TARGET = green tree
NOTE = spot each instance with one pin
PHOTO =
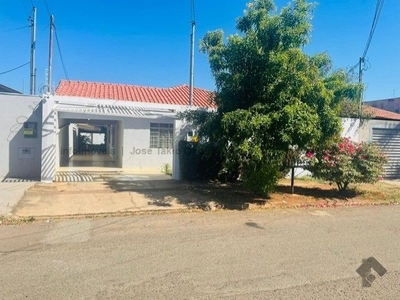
(269, 93)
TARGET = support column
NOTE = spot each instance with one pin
(49, 156)
(178, 124)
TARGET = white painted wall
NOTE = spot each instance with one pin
(361, 131)
(137, 151)
(16, 160)
(351, 129)
(50, 156)
(64, 135)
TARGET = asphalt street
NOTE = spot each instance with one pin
(274, 254)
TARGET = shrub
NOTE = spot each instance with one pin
(348, 162)
(199, 161)
(261, 177)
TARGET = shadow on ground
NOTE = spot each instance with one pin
(213, 195)
(201, 195)
(319, 193)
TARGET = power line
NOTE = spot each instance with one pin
(61, 57)
(353, 68)
(378, 9)
(45, 28)
(57, 41)
(8, 71)
(47, 6)
(17, 28)
(23, 5)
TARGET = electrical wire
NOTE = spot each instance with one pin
(8, 71)
(45, 28)
(26, 11)
(353, 68)
(378, 9)
(47, 7)
(61, 57)
(57, 41)
(13, 29)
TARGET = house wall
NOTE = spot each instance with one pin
(351, 129)
(137, 151)
(20, 155)
(73, 139)
(366, 127)
(50, 155)
(119, 143)
(362, 131)
(63, 143)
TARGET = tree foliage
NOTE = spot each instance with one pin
(269, 93)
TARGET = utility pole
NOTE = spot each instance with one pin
(50, 74)
(360, 79)
(191, 63)
(33, 53)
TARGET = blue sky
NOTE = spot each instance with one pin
(148, 42)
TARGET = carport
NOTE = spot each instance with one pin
(89, 142)
(105, 139)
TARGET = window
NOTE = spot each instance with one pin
(161, 135)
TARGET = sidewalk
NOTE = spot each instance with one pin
(121, 195)
(10, 194)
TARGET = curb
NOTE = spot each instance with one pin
(243, 207)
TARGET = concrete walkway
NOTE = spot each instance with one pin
(10, 194)
(114, 194)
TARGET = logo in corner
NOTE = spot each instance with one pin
(365, 271)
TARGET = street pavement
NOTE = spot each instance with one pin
(270, 254)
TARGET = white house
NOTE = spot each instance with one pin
(89, 124)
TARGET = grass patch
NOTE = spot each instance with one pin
(12, 220)
(381, 191)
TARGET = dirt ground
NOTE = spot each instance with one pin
(320, 194)
(309, 193)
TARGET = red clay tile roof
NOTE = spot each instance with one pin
(178, 95)
(377, 113)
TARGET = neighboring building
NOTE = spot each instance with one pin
(8, 90)
(383, 128)
(391, 104)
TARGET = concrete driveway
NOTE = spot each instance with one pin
(100, 192)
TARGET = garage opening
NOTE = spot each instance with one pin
(388, 139)
(90, 143)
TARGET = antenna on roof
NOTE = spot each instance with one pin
(193, 22)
